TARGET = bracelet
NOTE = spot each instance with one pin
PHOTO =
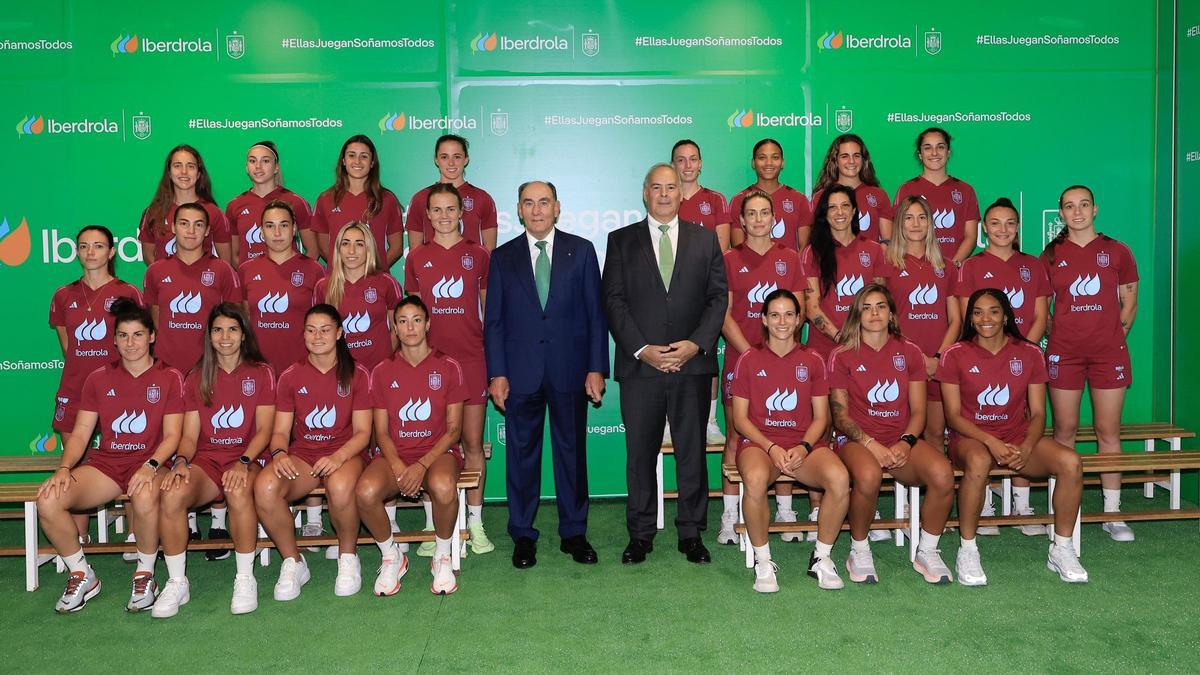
(276, 451)
(769, 448)
(185, 461)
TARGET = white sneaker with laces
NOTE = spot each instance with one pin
(292, 577)
(861, 567)
(727, 535)
(245, 594)
(786, 516)
(812, 518)
(1062, 560)
(312, 530)
(444, 581)
(1030, 530)
(968, 568)
(81, 587)
(764, 576)
(175, 594)
(929, 564)
(879, 535)
(1118, 530)
(989, 510)
(391, 570)
(145, 590)
(825, 572)
(349, 576)
(713, 435)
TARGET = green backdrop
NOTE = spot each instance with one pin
(585, 94)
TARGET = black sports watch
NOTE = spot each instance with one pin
(152, 463)
(910, 439)
(244, 460)
(807, 446)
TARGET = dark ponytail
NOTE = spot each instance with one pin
(1006, 203)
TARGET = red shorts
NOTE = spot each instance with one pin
(412, 455)
(840, 441)
(214, 466)
(727, 381)
(1108, 369)
(744, 443)
(476, 381)
(66, 407)
(933, 391)
(119, 467)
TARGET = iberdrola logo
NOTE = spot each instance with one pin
(14, 244)
(484, 42)
(33, 124)
(125, 44)
(830, 40)
(392, 122)
(44, 443)
(741, 119)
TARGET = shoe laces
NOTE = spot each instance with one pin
(763, 567)
(347, 564)
(74, 582)
(862, 558)
(241, 583)
(141, 582)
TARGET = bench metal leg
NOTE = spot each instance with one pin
(1006, 495)
(102, 524)
(31, 547)
(1050, 482)
(744, 537)
(658, 473)
(901, 499)
(119, 524)
(1148, 488)
(914, 520)
(457, 548)
(1075, 535)
(264, 555)
(1175, 446)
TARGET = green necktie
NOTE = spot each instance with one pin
(666, 257)
(541, 272)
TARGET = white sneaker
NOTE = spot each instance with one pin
(81, 587)
(713, 435)
(727, 535)
(969, 569)
(879, 535)
(861, 567)
(785, 516)
(812, 518)
(1030, 530)
(391, 570)
(764, 576)
(129, 556)
(989, 510)
(427, 548)
(349, 576)
(1118, 530)
(825, 572)
(176, 593)
(145, 590)
(331, 552)
(292, 577)
(1062, 560)
(444, 581)
(245, 594)
(312, 530)
(929, 564)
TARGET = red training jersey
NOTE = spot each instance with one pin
(478, 213)
(994, 388)
(163, 237)
(246, 209)
(857, 265)
(752, 277)
(1085, 281)
(450, 280)
(131, 409)
(83, 312)
(780, 390)
(953, 203)
(873, 203)
(792, 212)
(227, 423)
(185, 295)
(277, 296)
(365, 308)
(323, 409)
(707, 208)
(328, 218)
(415, 399)
(1022, 278)
(921, 292)
(876, 384)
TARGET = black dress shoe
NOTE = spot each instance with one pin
(580, 549)
(636, 551)
(694, 549)
(525, 554)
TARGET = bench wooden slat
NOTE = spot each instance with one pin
(29, 463)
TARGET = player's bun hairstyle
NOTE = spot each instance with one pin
(931, 130)
(249, 351)
(452, 138)
(411, 301)
(1010, 320)
(108, 237)
(345, 360)
(823, 245)
(829, 172)
(1006, 203)
(270, 145)
(444, 189)
(782, 294)
(124, 310)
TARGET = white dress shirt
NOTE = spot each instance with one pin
(656, 236)
(533, 249)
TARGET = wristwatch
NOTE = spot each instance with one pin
(910, 439)
(807, 446)
(152, 463)
(244, 460)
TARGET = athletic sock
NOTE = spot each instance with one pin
(1020, 498)
(441, 546)
(192, 522)
(1112, 500)
(929, 542)
(968, 544)
(387, 548)
(244, 563)
(731, 504)
(176, 565)
(474, 513)
(762, 553)
(428, 514)
(856, 545)
(391, 513)
(218, 519)
(1061, 540)
(312, 514)
(823, 550)
(75, 562)
(783, 502)
(145, 561)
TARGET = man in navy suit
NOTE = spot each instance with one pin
(547, 346)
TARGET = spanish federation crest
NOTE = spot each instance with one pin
(153, 393)
(468, 204)
(297, 279)
(781, 268)
(956, 196)
(208, 277)
(864, 258)
(235, 46)
(502, 433)
(789, 206)
(1052, 371)
(591, 43)
(843, 120)
(435, 381)
(343, 390)
(371, 295)
(802, 373)
(872, 200)
(705, 208)
(499, 123)
(140, 126)
(248, 387)
(468, 262)
(1016, 367)
(1102, 259)
(939, 272)
(1026, 275)
(933, 42)
(109, 303)
(899, 362)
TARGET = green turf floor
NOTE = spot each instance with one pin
(1140, 613)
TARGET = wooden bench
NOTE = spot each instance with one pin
(36, 555)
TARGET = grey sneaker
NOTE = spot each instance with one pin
(81, 587)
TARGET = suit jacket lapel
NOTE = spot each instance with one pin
(561, 257)
(684, 244)
(525, 271)
(642, 232)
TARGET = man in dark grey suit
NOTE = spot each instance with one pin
(665, 296)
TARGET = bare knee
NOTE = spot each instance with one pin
(868, 479)
(368, 493)
(1069, 466)
(442, 489)
(836, 483)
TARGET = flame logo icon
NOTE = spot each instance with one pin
(95, 329)
(923, 295)
(228, 418)
(357, 323)
(129, 423)
(944, 220)
(254, 235)
(1089, 285)
(14, 244)
(848, 286)
(758, 294)
(44, 443)
(321, 417)
(993, 395)
(886, 391)
(864, 221)
(414, 411)
(392, 122)
(1016, 297)
(741, 119)
(781, 401)
(33, 124)
(273, 303)
(186, 303)
(125, 44)
(484, 42)
(830, 40)
(448, 288)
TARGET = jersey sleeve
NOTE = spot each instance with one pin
(302, 210)
(391, 211)
(804, 210)
(89, 398)
(57, 313)
(394, 293)
(416, 216)
(820, 380)
(915, 360)
(964, 279)
(740, 387)
(145, 233)
(150, 284)
(285, 393)
(1037, 365)
(266, 385)
(1127, 272)
(231, 290)
(320, 222)
(191, 392)
(485, 264)
(808, 264)
(488, 216)
(174, 393)
(722, 215)
(1041, 279)
(880, 260)
(411, 280)
(947, 370)
(360, 385)
(376, 388)
(886, 209)
(457, 391)
(319, 291)
(970, 203)
(218, 225)
(839, 374)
